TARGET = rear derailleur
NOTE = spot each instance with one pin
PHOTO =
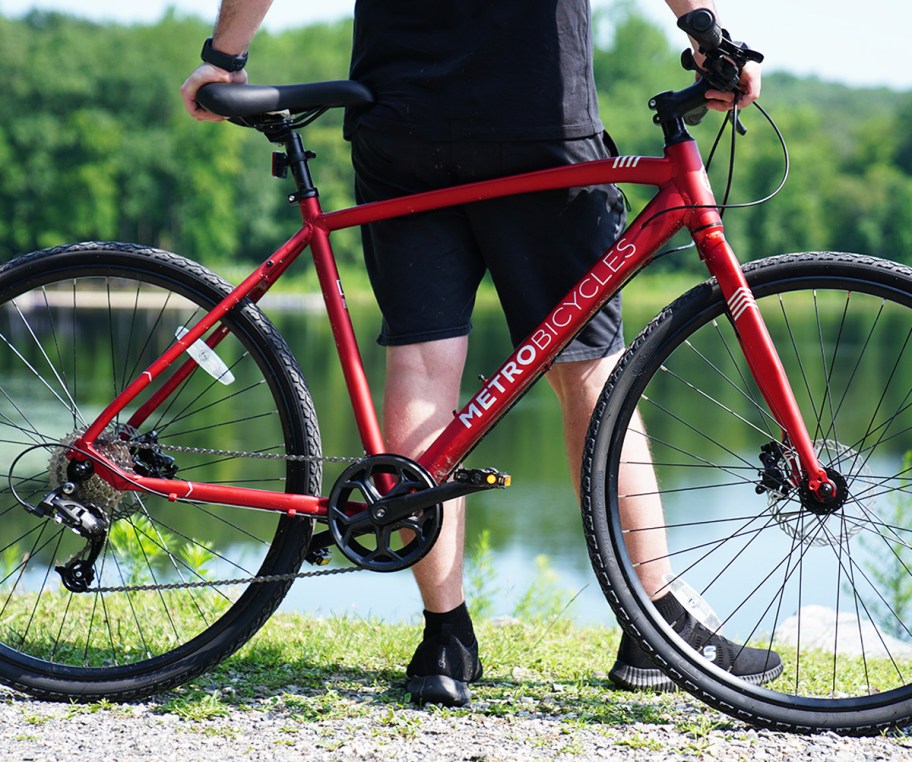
(86, 520)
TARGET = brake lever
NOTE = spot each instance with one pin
(696, 116)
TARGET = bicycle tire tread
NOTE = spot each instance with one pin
(845, 722)
(233, 633)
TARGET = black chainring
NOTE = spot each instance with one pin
(369, 538)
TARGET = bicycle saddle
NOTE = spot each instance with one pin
(251, 100)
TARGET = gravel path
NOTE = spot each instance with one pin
(275, 729)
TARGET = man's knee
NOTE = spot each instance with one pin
(572, 378)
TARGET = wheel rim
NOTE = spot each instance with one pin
(831, 591)
(66, 343)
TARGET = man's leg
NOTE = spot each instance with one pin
(422, 390)
(578, 386)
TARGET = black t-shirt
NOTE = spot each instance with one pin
(476, 69)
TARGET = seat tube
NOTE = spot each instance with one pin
(344, 335)
(761, 354)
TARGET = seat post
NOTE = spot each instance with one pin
(296, 157)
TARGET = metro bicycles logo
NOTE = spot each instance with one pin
(559, 327)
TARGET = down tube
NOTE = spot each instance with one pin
(658, 222)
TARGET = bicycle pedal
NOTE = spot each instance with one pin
(318, 557)
(486, 478)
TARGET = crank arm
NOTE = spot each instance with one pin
(465, 481)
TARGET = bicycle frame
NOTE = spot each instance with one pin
(684, 199)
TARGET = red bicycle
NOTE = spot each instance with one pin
(164, 464)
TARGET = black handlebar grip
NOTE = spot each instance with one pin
(701, 25)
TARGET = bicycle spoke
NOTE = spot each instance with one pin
(825, 584)
(141, 600)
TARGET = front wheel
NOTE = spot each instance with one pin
(703, 491)
(134, 613)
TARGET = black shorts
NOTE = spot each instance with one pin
(426, 268)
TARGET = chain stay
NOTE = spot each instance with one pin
(241, 580)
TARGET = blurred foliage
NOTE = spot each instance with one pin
(94, 143)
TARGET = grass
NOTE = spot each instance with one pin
(342, 668)
(326, 671)
(538, 664)
(341, 681)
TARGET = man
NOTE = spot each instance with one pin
(465, 91)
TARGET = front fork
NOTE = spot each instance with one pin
(762, 358)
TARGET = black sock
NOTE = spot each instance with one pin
(459, 621)
(670, 608)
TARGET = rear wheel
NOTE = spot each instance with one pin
(829, 588)
(77, 324)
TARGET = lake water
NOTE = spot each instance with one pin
(533, 523)
(533, 529)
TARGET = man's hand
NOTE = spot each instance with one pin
(749, 91)
(237, 22)
(203, 75)
(750, 74)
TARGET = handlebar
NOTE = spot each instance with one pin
(720, 69)
(724, 58)
(701, 26)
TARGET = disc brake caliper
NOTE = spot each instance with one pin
(773, 477)
(149, 460)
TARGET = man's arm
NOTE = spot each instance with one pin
(237, 23)
(750, 75)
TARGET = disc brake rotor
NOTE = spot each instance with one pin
(820, 528)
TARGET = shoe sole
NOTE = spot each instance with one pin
(438, 689)
(638, 679)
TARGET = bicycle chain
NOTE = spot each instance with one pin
(241, 580)
(260, 455)
(220, 582)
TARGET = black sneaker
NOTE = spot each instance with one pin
(635, 670)
(441, 669)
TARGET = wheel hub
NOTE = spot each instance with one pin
(803, 515)
(829, 505)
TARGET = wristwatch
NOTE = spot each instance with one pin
(225, 61)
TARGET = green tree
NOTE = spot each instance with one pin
(94, 143)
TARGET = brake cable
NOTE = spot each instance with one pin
(731, 118)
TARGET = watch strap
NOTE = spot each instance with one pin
(225, 61)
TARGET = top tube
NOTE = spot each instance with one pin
(637, 170)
